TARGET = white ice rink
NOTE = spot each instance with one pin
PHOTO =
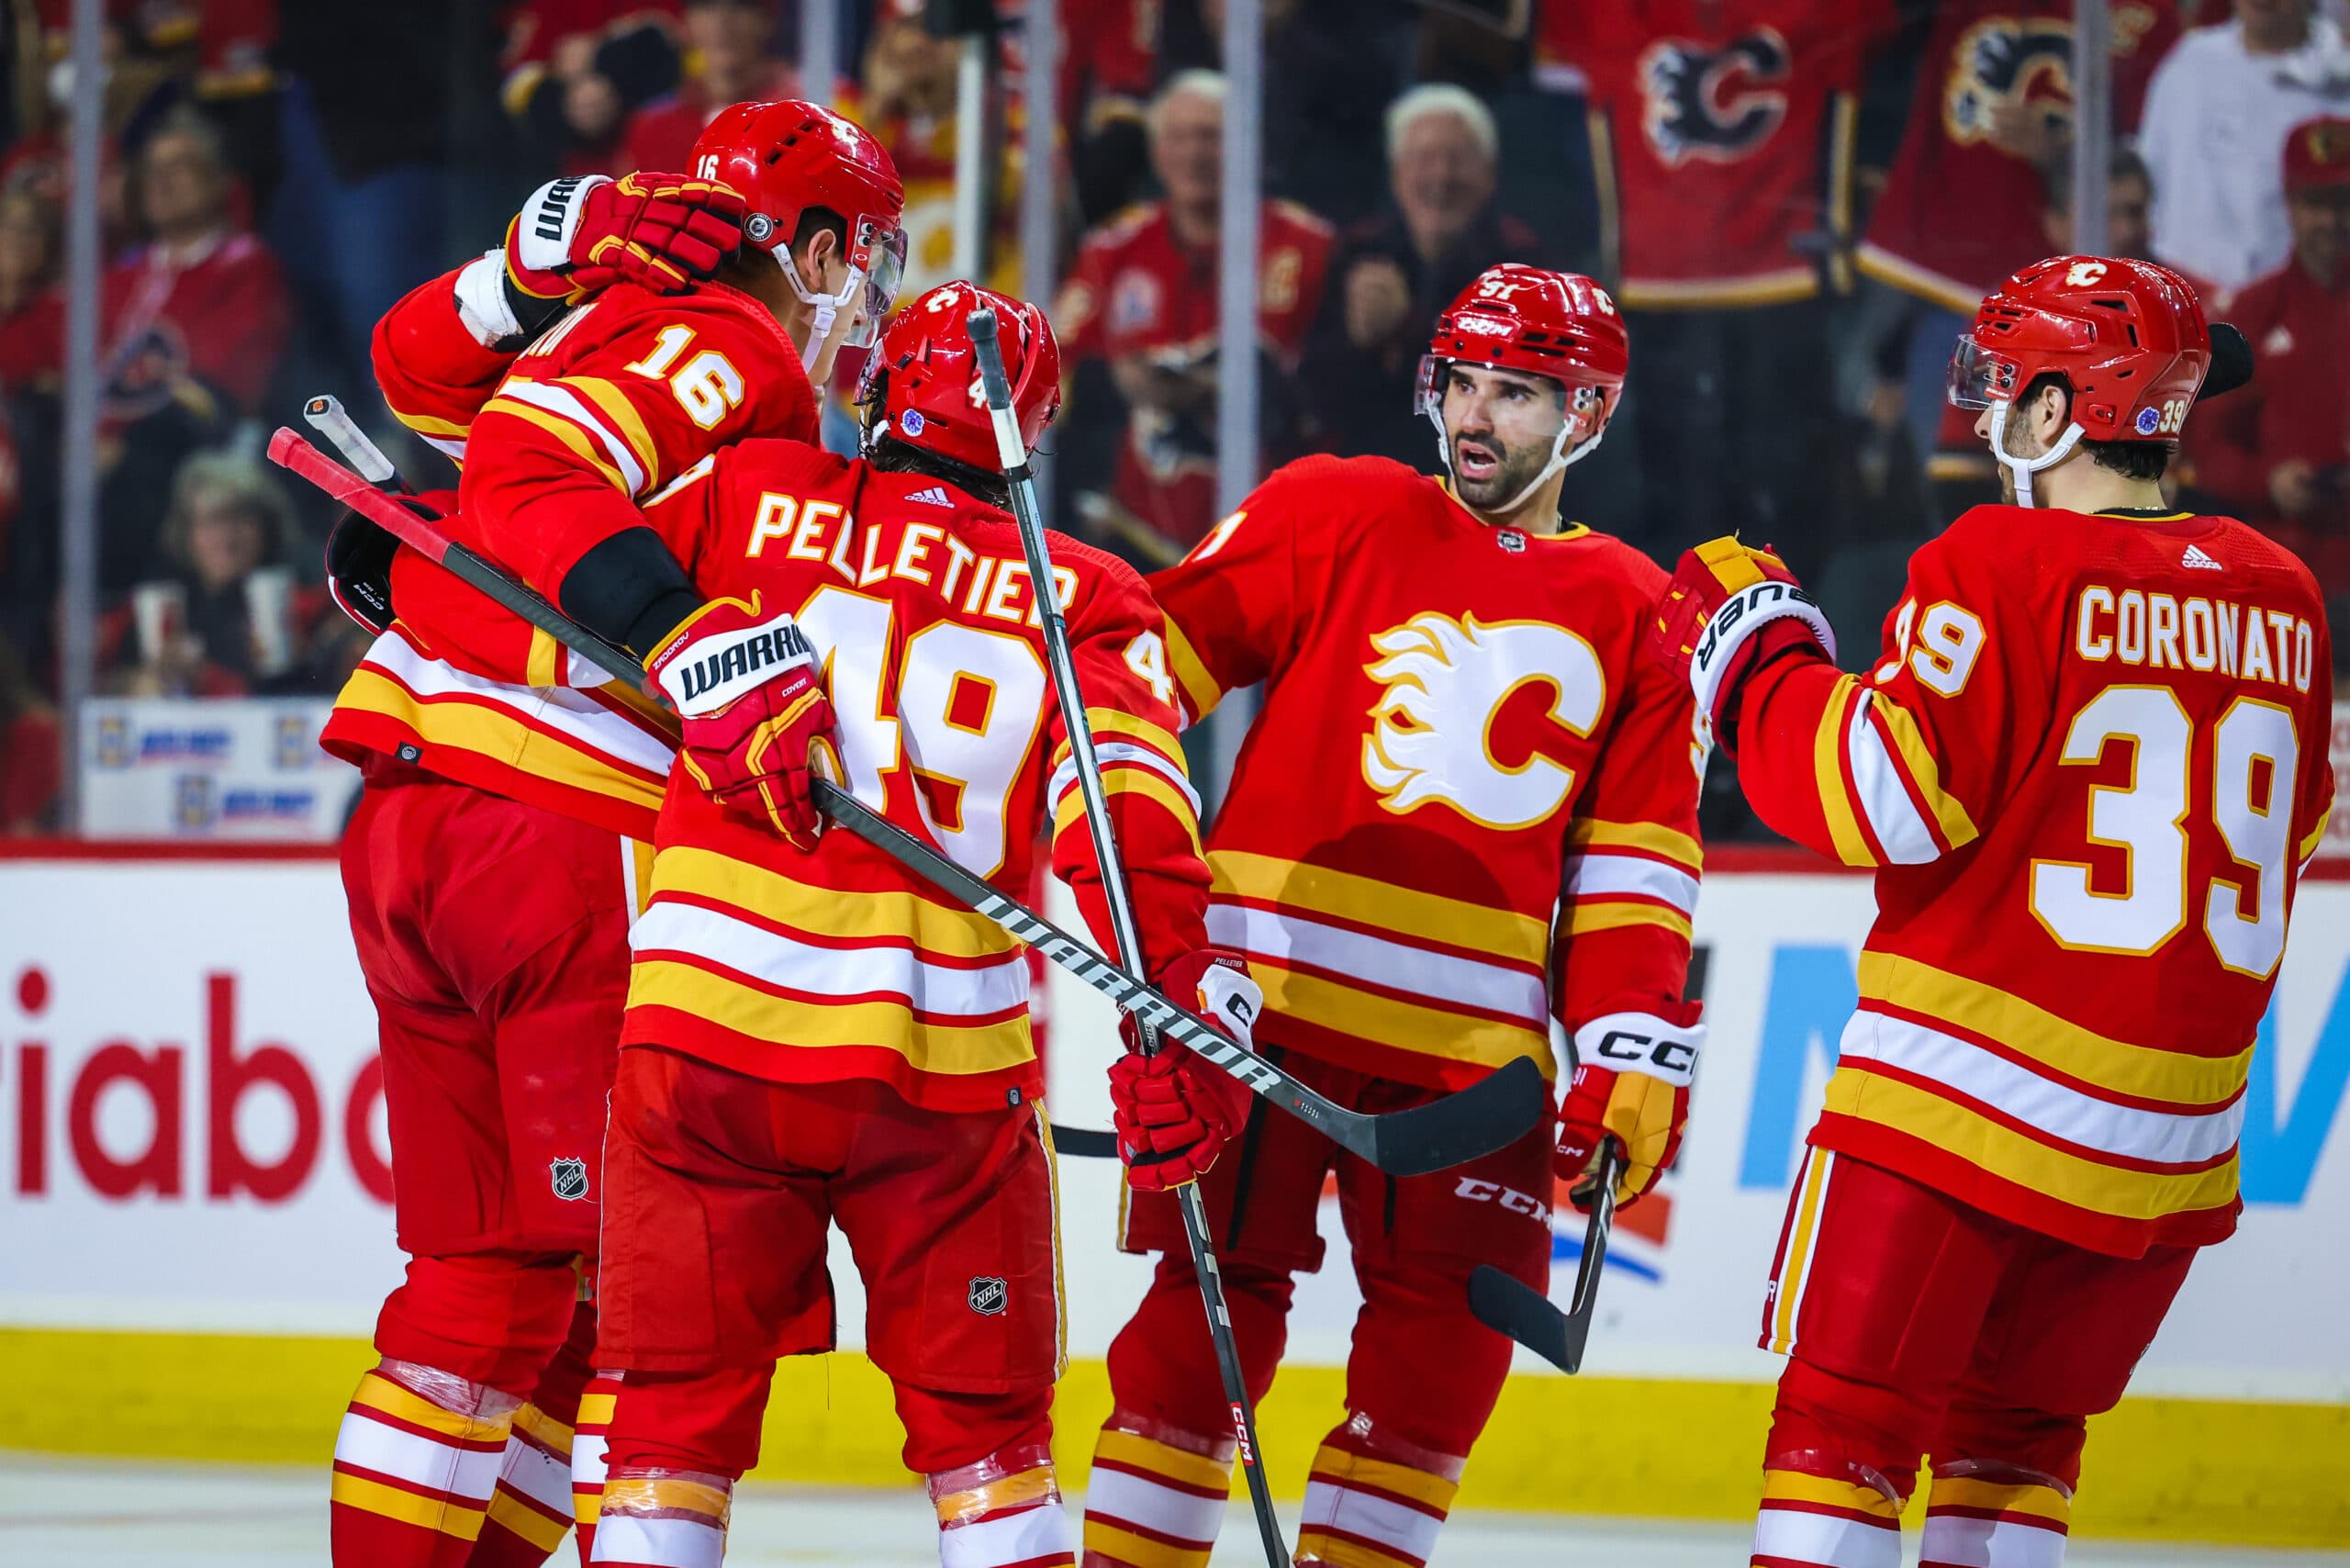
(55, 1514)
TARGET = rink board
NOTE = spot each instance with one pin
(207, 1284)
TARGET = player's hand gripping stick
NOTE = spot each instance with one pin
(1012, 453)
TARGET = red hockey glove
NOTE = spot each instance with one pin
(1632, 1083)
(583, 233)
(1173, 1112)
(1729, 611)
(757, 724)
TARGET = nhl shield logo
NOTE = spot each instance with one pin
(988, 1296)
(569, 1178)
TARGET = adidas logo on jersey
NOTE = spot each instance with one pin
(2195, 557)
(936, 497)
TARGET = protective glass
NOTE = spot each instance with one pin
(885, 269)
(1979, 376)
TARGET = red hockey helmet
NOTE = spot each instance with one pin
(1559, 325)
(789, 156)
(924, 375)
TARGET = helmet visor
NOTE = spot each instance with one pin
(885, 269)
(1980, 377)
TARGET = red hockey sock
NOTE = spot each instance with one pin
(415, 1465)
(530, 1512)
(588, 1457)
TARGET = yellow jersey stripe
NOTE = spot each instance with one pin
(2317, 836)
(2056, 1043)
(511, 1514)
(1587, 915)
(1652, 838)
(379, 1393)
(536, 1423)
(1965, 1491)
(1828, 766)
(950, 1049)
(543, 665)
(563, 429)
(1384, 907)
(481, 729)
(613, 404)
(1108, 721)
(2026, 1161)
(1124, 1546)
(1320, 1546)
(425, 424)
(826, 912)
(1400, 1024)
(1798, 1258)
(1200, 689)
(1131, 781)
(1958, 828)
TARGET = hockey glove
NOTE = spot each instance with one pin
(1731, 610)
(1172, 1112)
(1632, 1083)
(757, 724)
(585, 233)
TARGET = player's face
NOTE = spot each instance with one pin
(1502, 427)
(2321, 223)
(1187, 148)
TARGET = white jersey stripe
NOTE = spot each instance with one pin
(757, 953)
(2056, 1109)
(1288, 938)
(1406, 1531)
(1596, 874)
(418, 1459)
(1954, 1540)
(1801, 1537)
(578, 717)
(559, 400)
(1893, 816)
(659, 1543)
(1031, 1533)
(1122, 1498)
(1108, 753)
(538, 1475)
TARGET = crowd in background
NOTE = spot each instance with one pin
(1796, 202)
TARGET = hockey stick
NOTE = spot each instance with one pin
(1012, 455)
(1486, 1116)
(1508, 1305)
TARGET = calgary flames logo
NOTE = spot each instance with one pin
(1718, 103)
(1446, 680)
(2007, 59)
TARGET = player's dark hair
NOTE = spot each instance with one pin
(892, 455)
(2143, 460)
(815, 220)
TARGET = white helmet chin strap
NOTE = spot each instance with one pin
(827, 306)
(2023, 468)
(1561, 457)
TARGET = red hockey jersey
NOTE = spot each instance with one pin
(1959, 212)
(567, 440)
(1722, 134)
(841, 964)
(1459, 737)
(2090, 768)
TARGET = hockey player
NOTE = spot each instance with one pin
(812, 1034)
(495, 860)
(2089, 768)
(1505, 751)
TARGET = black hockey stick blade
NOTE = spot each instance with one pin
(1084, 1143)
(1478, 1120)
(1507, 1305)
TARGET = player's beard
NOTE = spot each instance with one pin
(1512, 472)
(2018, 443)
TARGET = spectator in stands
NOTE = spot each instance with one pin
(1110, 56)
(905, 96)
(2217, 116)
(31, 767)
(731, 57)
(574, 70)
(2277, 452)
(31, 307)
(236, 622)
(201, 311)
(1391, 275)
(1137, 321)
(2129, 205)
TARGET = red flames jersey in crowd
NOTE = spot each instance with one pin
(1722, 130)
(1137, 289)
(219, 314)
(2090, 768)
(604, 408)
(841, 964)
(1460, 735)
(1959, 213)
(661, 135)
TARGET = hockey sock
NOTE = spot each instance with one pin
(1374, 1500)
(588, 1457)
(530, 1512)
(415, 1465)
(654, 1518)
(1983, 1513)
(1821, 1510)
(1156, 1495)
(1004, 1512)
